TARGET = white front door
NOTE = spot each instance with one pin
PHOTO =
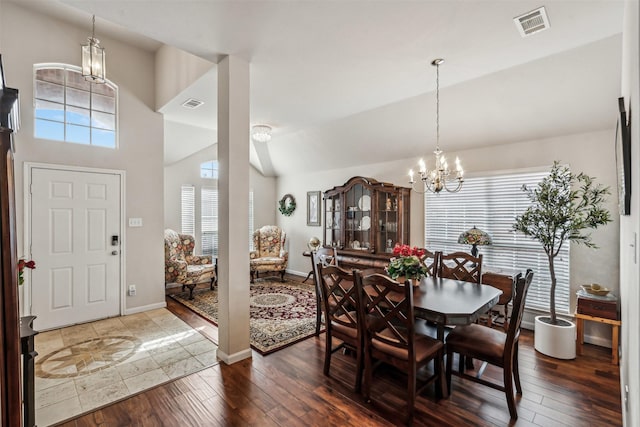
(75, 241)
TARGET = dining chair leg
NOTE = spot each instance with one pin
(508, 390)
(516, 371)
(327, 351)
(318, 312)
(359, 369)
(411, 398)
(441, 381)
(461, 363)
(368, 372)
(449, 367)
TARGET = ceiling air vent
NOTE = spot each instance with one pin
(532, 22)
(192, 103)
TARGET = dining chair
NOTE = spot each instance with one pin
(461, 266)
(325, 256)
(492, 346)
(387, 315)
(431, 260)
(340, 306)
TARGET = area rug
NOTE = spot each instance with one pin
(281, 313)
(84, 367)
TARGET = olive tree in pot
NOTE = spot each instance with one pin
(564, 207)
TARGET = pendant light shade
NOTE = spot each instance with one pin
(93, 58)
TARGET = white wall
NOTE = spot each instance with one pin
(629, 225)
(187, 171)
(592, 153)
(30, 38)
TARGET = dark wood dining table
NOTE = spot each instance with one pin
(452, 302)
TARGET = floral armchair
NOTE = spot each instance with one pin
(181, 266)
(269, 254)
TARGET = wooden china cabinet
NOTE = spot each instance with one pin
(364, 219)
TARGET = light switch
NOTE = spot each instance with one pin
(135, 222)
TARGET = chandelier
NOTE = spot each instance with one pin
(440, 177)
(93, 58)
(261, 133)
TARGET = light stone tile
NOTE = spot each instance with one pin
(55, 394)
(103, 395)
(78, 333)
(60, 411)
(146, 380)
(200, 347)
(209, 358)
(182, 367)
(138, 355)
(97, 380)
(128, 370)
(191, 338)
(45, 383)
(172, 356)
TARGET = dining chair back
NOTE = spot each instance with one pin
(325, 256)
(387, 314)
(461, 266)
(431, 261)
(492, 346)
(340, 306)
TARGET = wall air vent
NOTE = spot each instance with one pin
(532, 22)
(192, 103)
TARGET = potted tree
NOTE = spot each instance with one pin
(564, 207)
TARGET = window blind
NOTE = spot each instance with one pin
(491, 204)
(188, 209)
(251, 221)
(209, 217)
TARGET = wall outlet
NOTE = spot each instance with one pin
(132, 290)
(135, 222)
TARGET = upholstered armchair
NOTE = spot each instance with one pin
(181, 266)
(270, 253)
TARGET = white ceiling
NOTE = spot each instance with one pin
(334, 78)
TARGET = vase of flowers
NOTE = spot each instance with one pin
(22, 264)
(406, 264)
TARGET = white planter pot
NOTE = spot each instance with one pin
(557, 341)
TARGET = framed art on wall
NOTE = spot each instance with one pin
(313, 208)
(623, 160)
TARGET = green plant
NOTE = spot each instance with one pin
(407, 263)
(563, 207)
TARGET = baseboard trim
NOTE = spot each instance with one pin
(143, 308)
(297, 273)
(230, 359)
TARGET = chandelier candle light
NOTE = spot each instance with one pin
(440, 177)
(93, 58)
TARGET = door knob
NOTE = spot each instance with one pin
(114, 252)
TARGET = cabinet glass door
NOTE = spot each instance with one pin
(358, 218)
(333, 221)
(387, 233)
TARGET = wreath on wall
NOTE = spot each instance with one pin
(287, 205)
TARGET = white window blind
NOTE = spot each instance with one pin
(188, 209)
(209, 226)
(251, 221)
(491, 204)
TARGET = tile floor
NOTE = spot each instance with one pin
(83, 367)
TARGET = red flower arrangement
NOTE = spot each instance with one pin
(406, 250)
(22, 264)
(406, 263)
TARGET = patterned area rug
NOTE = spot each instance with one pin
(280, 313)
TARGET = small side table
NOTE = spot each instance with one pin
(615, 324)
(308, 254)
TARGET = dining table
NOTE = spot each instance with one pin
(449, 302)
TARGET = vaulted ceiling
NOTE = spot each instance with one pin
(350, 81)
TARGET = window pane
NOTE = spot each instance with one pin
(103, 120)
(78, 134)
(49, 110)
(49, 130)
(104, 103)
(49, 91)
(104, 89)
(79, 98)
(76, 80)
(188, 205)
(103, 138)
(78, 116)
(53, 75)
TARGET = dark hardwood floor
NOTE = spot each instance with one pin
(288, 388)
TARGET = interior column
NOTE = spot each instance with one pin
(233, 210)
